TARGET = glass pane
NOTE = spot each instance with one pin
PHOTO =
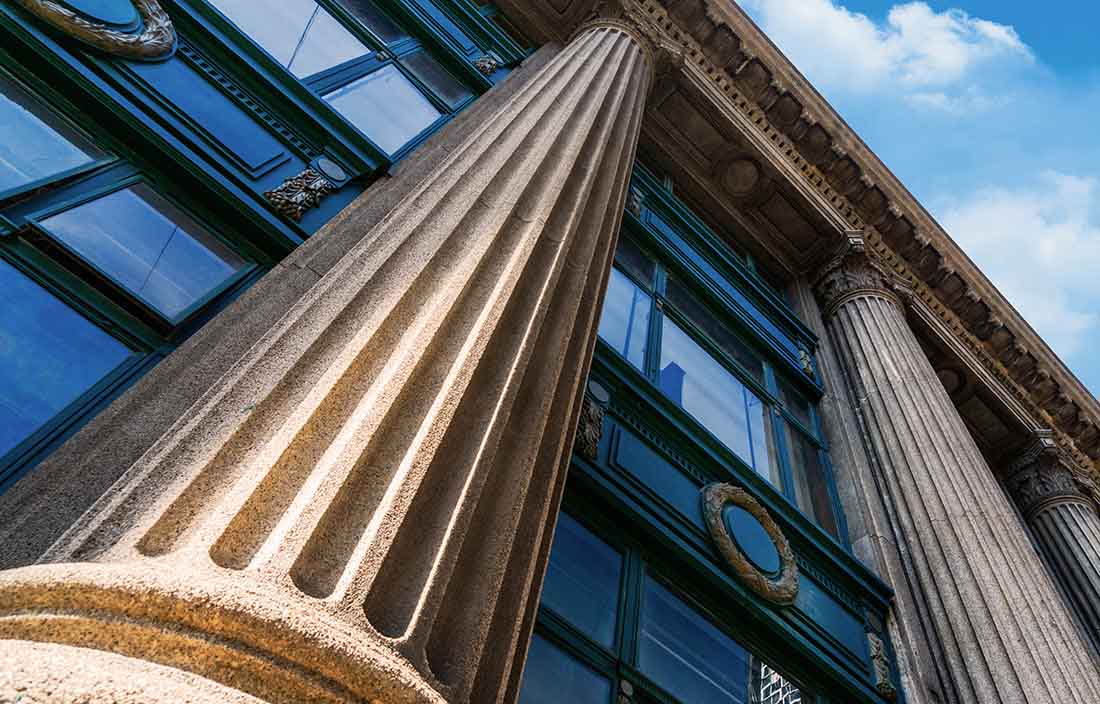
(149, 247)
(552, 677)
(796, 404)
(49, 356)
(582, 581)
(300, 35)
(772, 688)
(369, 14)
(764, 455)
(386, 107)
(446, 87)
(276, 25)
(721, 333)
(325, 44)
(631, 259)
(703, 387)
(811, 482)
(34, 143)
(687, 655)
(624, 323)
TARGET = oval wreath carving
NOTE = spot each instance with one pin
(780, 589)
(156, 40)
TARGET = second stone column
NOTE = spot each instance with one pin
(1002, 631)
(360, 509)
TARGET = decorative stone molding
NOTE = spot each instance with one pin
(779, 589)
(487, 65)
(880, 665)
(299, 194)
(590, 429)
(153, 38)
(852, 272)
(1042, 476)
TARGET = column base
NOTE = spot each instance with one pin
(219, 638)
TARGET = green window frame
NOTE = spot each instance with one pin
(73, 272)
(796, 454)
(582, 662)
(423, 54)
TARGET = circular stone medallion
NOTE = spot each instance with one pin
(118, 13)
(751, 542)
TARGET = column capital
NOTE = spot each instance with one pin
(855, 271)
(626, 17)
(1043, 476)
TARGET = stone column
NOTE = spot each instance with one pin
(357, 511)
(1002, 632)
(1063, 520)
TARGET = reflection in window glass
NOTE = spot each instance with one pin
(297, 33)
(582, 581)
(687, 655)
(437, 78)
(722, 334)
(148, 247)
(49, 356)
(796, 404)
(811, 483)
(553, 677)
(34, 143)
(386, 107)
(633, 261)
(381, 25)
(624, 323)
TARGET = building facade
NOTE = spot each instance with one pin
(565, 351)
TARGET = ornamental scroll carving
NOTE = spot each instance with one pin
(880, 663)
(781, 589)
(1042, 476)
(153, 39)
(299, 194)
(854, 271)
(589, 429)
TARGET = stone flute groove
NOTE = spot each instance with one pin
(1065, 525)
(377, 478)
(1002, 631)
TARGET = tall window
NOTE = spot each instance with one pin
(358, 59)
(98, 269)
(608, 616)
(667, 326)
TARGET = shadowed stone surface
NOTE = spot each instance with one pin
(1000, 629)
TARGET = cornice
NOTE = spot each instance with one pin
(741, 63)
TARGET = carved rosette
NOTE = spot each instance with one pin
(1043, 476)
(853, 272)
(300, 193)
(155, 39)
(781, 589)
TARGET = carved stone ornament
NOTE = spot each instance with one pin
(589, 429)
(880, 666)
(1042, 476)
(152, 39)
(781, 589)
(300, 193)
(852, 272)
(487, 65)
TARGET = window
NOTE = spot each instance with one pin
(672, 651)
(690, 347)
(100, 271)
(359, 60)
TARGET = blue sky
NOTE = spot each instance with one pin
(989, 111)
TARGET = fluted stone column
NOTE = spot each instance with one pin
(1065, 525)
(1002, 631)
(358, 510)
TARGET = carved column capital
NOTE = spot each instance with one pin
(855, 271)
(623, 16)
(1044, 476)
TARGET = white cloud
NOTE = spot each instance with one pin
(915, 51)
(1039, 245)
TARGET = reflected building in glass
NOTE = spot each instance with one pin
(499, 351)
